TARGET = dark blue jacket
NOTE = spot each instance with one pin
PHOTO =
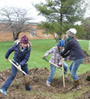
(73, 49)
(19, 57)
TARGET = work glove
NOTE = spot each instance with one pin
(60, 65)
(19, 67)
(44, 57)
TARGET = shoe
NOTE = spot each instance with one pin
(76, 85)
(28, 88)
(48, 83)
(3, 91)
(75, 88)
(79, 87)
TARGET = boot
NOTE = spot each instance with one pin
(48, 84)
(28, 88)
(76, 85)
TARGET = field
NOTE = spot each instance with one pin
(39, 71)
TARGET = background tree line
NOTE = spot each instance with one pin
(63, 14)
(60, 15)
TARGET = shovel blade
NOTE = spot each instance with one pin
(26, 80)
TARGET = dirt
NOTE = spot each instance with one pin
(39, 90)
(87, 57)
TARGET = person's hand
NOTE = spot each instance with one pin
(44, 57)
(19, 67)
(7, 59)
(61, 53)
(59, 66)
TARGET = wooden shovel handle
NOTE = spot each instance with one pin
(53, 64)
(63, 73)
(17, 67)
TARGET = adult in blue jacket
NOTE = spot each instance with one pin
(21, 56)
(74, 51)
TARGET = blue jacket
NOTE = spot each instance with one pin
(19, 57)
(73, 49)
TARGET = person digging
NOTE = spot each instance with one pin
(55, 59)
(22, 51)
(76, 54)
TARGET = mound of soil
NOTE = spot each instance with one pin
(87, 58)
(38, 78)
(85, 95)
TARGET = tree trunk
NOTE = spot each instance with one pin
(15, 36)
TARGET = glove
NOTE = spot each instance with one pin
(61, 53)
(44, 57)
(59, 66)
(19, 67)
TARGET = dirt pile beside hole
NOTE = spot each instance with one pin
(85, 95)
(87, 58)
(38, 78)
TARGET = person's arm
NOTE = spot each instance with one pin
(48, 53)
(24, 61)
(10, 50)
(66, 52)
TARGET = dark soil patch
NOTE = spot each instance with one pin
(85, 95)
(38, 78)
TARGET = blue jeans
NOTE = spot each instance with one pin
(74, 67)
(13, 75)
(53, 68)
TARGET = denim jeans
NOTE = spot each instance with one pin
(13, 75)
(74, 67)
(53, 68)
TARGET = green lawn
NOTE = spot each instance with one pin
(39, 47)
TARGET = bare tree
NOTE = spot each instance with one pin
(15, 20)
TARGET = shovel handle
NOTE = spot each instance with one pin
(53, 64)
(63, 73)
(17, 67)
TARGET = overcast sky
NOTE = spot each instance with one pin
(27, 4)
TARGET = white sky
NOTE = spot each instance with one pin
(27, 4)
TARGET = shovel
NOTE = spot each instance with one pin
(60, 68)
(26, 78)
(63, 73)
(53, 64)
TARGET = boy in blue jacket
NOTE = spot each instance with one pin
(21, 56)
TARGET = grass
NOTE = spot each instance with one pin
(39, 47)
